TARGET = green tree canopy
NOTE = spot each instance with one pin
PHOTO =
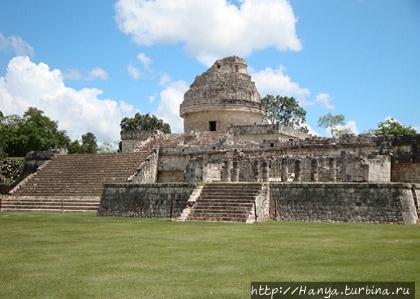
(74, 147)
(333, 122)
(32, 132)
(89, 145)
(144, 122)
(392, 127)
(284, 111)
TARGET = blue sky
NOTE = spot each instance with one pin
(112, 58)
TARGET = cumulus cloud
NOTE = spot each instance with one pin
(170, 99)
(145, 60)
(210, 29)
(133, 71)
(324, 99)
(16, 45)
(77, 111)
(164, 79)
(151, 98)
(93, 74)
(276, 82)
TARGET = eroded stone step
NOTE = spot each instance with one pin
(46, 210)
(226, 219)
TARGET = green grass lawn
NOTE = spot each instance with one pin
(81, 255)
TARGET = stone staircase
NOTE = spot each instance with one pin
(50, 203)
(71, 182)
(233, 202)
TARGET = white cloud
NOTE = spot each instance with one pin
(77, 111)
(276, 82)
(98, 73)
(151, 98)
(170, 99)
(164, 79)
(95, 73)
(134, 72)
(210, 29)
(15, 45)
(351, 125)
(145, 60)
(324, 99)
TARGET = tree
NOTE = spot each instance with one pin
(284, 111)
(89, 145)
(144, 122)
(74, 147)
(32, 132)
(333, 122)
(390, 126)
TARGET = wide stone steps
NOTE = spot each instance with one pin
(217, 218)
(60, 184)
(35, 203)
(230, 202)
(81, 175)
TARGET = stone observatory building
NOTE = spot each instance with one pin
(222, 97)
(228, 166)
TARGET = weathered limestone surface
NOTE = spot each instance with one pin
(145, 200)
(147, 171)
(225, 94)
(347, 202)
(405, 172)
(261, 133)
(129, 140)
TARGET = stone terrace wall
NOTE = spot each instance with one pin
(130, 139)
(260, 133)
(147, 171)
(145, 200)
(346, 202)
(405, 172)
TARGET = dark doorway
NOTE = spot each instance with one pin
(212, 125)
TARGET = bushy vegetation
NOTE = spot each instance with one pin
(10, 170)
(32, 132)
(35, 131)
(286, 111)
(392, 127)
(145, 122)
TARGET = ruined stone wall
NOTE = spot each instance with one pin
(147, 171)
(380, 169)
(356, 158)
(261, 133)
(170, 176)
(347, 202)
(145, 200)
(405, 172)
(199, 121)
(129, 140)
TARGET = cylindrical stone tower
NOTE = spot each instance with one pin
(221, 97)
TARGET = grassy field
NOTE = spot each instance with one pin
(81, 255)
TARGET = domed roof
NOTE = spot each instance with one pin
(226, 85)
